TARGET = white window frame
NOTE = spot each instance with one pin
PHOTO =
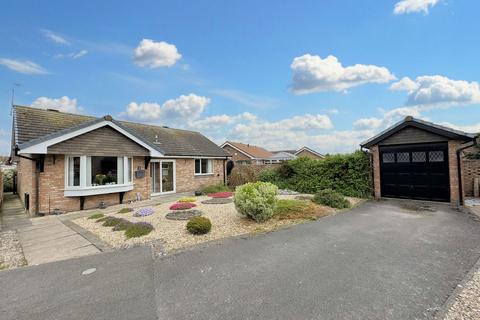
(174, 176)
(85, 190)
(203, 174)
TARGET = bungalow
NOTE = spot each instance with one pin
(242, 153)
(70, 162)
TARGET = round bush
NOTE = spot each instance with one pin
(331, 198)
(182, 206)
(199, 225)
(138, 229)
(256, 200)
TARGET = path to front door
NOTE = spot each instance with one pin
(43, 239)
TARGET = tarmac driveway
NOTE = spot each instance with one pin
(379, 261)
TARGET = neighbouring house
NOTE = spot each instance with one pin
(68, 162)
(242, 153)
(416, 159)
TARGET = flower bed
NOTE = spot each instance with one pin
(182, 206)
(144, 212)
(226, 194)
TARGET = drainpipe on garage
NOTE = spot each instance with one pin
(472, 143)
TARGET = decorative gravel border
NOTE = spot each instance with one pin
(183, 214)
(218, 201)
(11, 253)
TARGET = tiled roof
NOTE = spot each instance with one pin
(422, 124)
(254, 151)
(33, 124)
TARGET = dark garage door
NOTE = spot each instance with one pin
(418, 171)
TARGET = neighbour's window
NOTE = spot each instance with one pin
(203, 166)
(435, 156)
(388, 157)
(403, 157)
(73, 171)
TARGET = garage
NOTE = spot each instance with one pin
(415, 172)
(416, 159)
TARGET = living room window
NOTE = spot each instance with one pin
(203, 166)
(98, 171)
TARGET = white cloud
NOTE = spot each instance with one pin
(438, 91)
(409, 6)
(472, 128)
(184, 107)
(151, 54)
(63, 104)
(52, 36)
(26, 67)
(72, 55)
(368, 123)
(314, 74)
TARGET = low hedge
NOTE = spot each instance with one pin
(331, 198)
(349, 174)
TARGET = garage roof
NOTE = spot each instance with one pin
(421, 124)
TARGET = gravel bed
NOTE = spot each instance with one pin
(218, 201)
(183, 214)
(226, 222)
(11, 253)
(286, 192)
(467, 304)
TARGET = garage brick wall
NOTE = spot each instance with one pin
(471, 170)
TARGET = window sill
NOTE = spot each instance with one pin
(203, 174)
(90, 191)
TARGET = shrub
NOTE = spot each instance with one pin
(199, 225)
(96, 216)
(138, 229)
(123, 224)
(111, 222)
(284, 206)
(331, 198)
(285, 170)
(187, 199)
(125, 210)
(8, 176)
(256, 200)
(147, 211)
(226, 194)
(349, 174)
(214, 189)
(182, 206)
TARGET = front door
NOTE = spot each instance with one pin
(162, 174)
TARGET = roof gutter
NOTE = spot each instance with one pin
(472, 143)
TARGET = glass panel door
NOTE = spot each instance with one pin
(155, 175)
(167, 176)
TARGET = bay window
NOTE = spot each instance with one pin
(203, 166)
(89, 172)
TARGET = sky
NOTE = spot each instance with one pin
(279, 74)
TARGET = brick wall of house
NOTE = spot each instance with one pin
(376, 172)
(453, 171)
(471, 170)
(52, 185)
(236, 155)
(188, 181)
(25, 181)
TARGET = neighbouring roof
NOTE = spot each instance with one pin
(33, 125)
(421, 124)
(292, 151)
(252, 151)
(282, 155)
(309, 150)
